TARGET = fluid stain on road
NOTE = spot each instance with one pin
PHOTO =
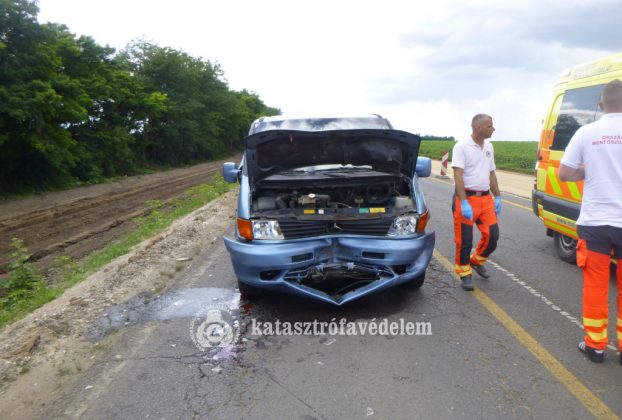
(175, 303)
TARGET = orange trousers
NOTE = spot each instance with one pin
(594, 249)
(485, 219)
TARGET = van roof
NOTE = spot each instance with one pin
(320, 123)
(595, 68)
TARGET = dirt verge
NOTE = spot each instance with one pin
(74, 223)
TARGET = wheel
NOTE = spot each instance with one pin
(566, 247)
(248, 290)
(416, 283)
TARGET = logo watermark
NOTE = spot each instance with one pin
(214, 326)
(341, 327)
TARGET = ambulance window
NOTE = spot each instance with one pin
(579, 107)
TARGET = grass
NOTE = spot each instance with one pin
(32, 293)
(518, 156)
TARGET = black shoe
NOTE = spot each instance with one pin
(596, 356)
(467, 282)
(481, 270)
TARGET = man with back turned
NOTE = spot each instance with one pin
(594, 154)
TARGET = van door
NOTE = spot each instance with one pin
(559, 203)
(544, 148)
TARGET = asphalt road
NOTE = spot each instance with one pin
(506, 351)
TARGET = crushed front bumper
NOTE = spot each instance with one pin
(289, 266)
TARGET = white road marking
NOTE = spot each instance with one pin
(543, 298)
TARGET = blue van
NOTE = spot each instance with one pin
(329, 208)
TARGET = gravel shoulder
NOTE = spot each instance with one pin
(45, 352)
(509, 182)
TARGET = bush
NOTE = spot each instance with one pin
(24, 280)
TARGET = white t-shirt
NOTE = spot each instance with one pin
(477, 162)
(599, 147)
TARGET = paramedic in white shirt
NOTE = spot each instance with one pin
(473, 163)
(594, 154)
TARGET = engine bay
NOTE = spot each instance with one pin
(360, 197)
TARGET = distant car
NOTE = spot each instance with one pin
(329, 208)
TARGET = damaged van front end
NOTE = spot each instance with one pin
(330, 214)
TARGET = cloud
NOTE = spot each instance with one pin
(500, 59)
(427, 66)
(590, 25)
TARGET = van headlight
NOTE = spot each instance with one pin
(405, 224)
(267, 229)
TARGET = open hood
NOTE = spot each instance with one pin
(389, 151)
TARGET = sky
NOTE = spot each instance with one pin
(426, 66)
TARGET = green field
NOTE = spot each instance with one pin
(519, 156)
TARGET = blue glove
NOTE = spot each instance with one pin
(498, 204)
(467, 210)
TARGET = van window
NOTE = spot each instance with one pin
(579, 107)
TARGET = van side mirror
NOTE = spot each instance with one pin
(230, 172)
(424, 167)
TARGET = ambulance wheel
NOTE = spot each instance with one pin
(566, 247)
(247, 290)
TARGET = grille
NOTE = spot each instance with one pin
(295, 229)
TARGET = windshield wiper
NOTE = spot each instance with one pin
(293, 172)
(345, 169)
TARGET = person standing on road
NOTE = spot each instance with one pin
(594, 154)
(473, 163)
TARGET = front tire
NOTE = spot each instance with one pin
(416, 283)
(566, 247)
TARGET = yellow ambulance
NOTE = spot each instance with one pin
(574, 104)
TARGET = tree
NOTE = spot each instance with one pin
(37, 100)
(203, 118)
(72, 110)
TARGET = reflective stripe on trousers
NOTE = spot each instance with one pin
(594, 258)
